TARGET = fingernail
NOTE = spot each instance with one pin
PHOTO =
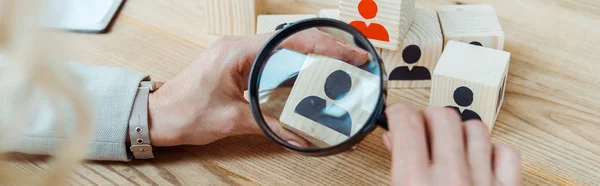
(353, 48)
(294, 143)
(358, 50)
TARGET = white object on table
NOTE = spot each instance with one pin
(79, 15)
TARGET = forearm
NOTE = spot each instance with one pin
(111, 91)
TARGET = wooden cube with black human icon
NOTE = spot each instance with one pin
(412, 65)
(330, 101)
(384, 22)
(473, 24)
(272, 23)
(472, 80)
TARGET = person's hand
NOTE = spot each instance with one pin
(205, 102)
(434, 147)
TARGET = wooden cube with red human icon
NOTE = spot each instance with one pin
(384, 22)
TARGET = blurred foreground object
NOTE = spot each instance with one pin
(79, 15)
(29, 81)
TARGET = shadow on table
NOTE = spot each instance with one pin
(232, 147)
(215, 161)
(248, 146)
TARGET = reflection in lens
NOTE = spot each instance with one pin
(320, 85)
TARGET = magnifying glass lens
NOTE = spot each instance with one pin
(319, 87)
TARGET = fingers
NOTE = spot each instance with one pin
(308, 41)
(410, 157)
(507, 165)
(479, 150)
(447, 142)
(462, 152)
(317, 42)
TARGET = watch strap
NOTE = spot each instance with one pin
(139, 134)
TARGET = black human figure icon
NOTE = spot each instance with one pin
(411, 55)
(337, 86)
(463, 96)
(476, 43)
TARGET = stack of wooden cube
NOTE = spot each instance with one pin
(456, 50)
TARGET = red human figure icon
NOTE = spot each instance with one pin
(368, 10)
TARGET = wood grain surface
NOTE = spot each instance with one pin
(551, 110)
(224, 16)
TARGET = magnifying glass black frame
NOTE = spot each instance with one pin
(378, 116)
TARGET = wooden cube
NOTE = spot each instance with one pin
(472, 80)
(412, 65)
(231, 17)
(331, 100)
(384, 22)
(271, 23)
(330, 13)
(474, 24)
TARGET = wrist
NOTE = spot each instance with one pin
(161, 132)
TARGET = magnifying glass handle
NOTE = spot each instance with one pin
(382, 120)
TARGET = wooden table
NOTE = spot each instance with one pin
(551, 112)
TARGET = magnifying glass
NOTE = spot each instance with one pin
(322, 80)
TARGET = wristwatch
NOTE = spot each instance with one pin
(139, 133)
